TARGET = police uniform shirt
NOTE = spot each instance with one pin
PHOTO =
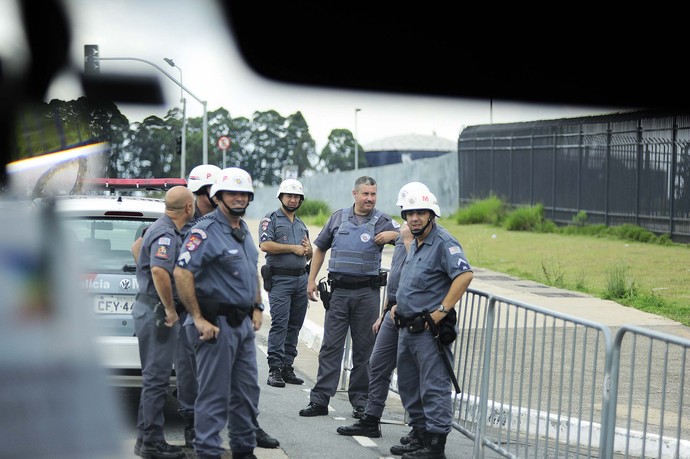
(224, 268)
(399, 254)
(160, 247)
(428, 272)
(283, 231)
(325, 238)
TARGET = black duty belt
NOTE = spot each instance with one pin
(234, 314)
(371, 282)
(414, 324)
(222, 308)
(287, 271)
(152, 300)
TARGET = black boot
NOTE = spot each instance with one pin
(406, 439)
(264, 440)
(274, 377)
(189, 436)
(417, 440)
(189, 433)
(244, 455)
(434, 448)
(368, 426)
(289, 376)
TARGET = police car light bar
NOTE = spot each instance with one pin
(132, 184)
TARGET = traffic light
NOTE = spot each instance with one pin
(179, 145)
(92, 63)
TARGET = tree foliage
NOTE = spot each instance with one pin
(262, 145)
(339, 152)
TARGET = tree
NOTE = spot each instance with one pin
(269, 141)
(59, 125)
(262, 145)
(339, 152)
(300, 144)
(152, 150)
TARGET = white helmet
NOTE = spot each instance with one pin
(233, 179)
(290, 186)
(202, 175)
(421, 200)
(408, 188)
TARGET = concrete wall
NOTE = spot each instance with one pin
(440, 174)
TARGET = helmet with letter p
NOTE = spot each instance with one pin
(233, 179)
(202, 175)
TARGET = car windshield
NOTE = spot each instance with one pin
(105, 244)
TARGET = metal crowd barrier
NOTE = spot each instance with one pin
(537, 383)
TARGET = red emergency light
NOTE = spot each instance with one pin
(132, 184)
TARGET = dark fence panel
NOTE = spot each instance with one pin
(631, 167)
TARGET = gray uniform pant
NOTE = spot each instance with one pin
(357, 311)
(381, 365)
(156, 354)
(423, 380)
(288, 300)
(227, 377)
(185, 371)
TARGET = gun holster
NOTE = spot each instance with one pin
(266, 276)
(162, 331)
(324, 292)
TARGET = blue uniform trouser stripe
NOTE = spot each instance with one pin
(288, 301)
(185, 370)
(229, 363)
(156, 357)
(381, 365)
(356, 310)
(424, 381)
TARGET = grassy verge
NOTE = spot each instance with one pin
(649, 277)
(625, 264)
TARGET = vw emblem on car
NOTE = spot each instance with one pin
(125, 284)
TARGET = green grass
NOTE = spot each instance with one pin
(651, 277)
(626, 264)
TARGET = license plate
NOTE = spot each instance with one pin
(114, 304)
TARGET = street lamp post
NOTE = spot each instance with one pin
(183, 149)
(356, 148)
(179, 83)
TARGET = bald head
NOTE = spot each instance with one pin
(178, 197)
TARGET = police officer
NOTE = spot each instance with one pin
(434, 277)
(156, 320)
(216, 274)
(285, 240)
(199, 182)
(356, 235)
(384, 356)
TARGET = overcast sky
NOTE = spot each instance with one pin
(193, 35)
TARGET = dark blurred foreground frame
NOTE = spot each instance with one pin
(580, 55)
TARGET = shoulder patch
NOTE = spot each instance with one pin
(162, 252)
(202, 234)
(193, 242)
(454, 250)
(164, 241)
(395, 224)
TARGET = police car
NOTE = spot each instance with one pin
(103, 226)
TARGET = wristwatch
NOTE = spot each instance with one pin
(442, 309)
(259, 306)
